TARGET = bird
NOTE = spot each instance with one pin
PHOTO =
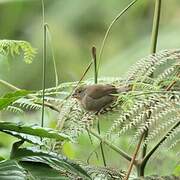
(97, 96)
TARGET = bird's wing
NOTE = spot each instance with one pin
(98, 91)
(96, 104)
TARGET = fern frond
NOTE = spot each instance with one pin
(27, 104)
(166, 74)
(73, 119)
(14, 47)
(171, 135)
(14, 109)
(148, 64)
(174, 144)
(154, 119)
(163, 126)
(148, 106)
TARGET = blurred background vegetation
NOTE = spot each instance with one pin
(76, 26)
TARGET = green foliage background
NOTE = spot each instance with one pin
(75, 27)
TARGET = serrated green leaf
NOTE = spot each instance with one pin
(15, 47)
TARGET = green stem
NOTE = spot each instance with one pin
(112, 146)
(109, 28)
(145, 135)
(155, 28)
(44, 63)
(101, 145)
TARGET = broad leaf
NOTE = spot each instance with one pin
(29, 138)
(53, 160)
(32, 130)
(42, 172)
(11, 170)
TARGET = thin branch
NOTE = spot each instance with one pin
(134, 158)
(115, 148)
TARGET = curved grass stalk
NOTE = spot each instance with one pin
(109, 28)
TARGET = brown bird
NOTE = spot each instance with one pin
(96, 97)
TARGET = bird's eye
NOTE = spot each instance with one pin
(79, 91)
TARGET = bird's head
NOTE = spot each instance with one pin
(79, 93)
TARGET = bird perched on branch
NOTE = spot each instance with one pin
(96, 97)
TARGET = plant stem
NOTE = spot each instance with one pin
(145, 135)
(155, 28)
(134, 158)
(95, 64)
(95, 81)
(44, 62)
(112, 146)
(109, 28)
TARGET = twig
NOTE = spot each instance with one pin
(134, 158)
